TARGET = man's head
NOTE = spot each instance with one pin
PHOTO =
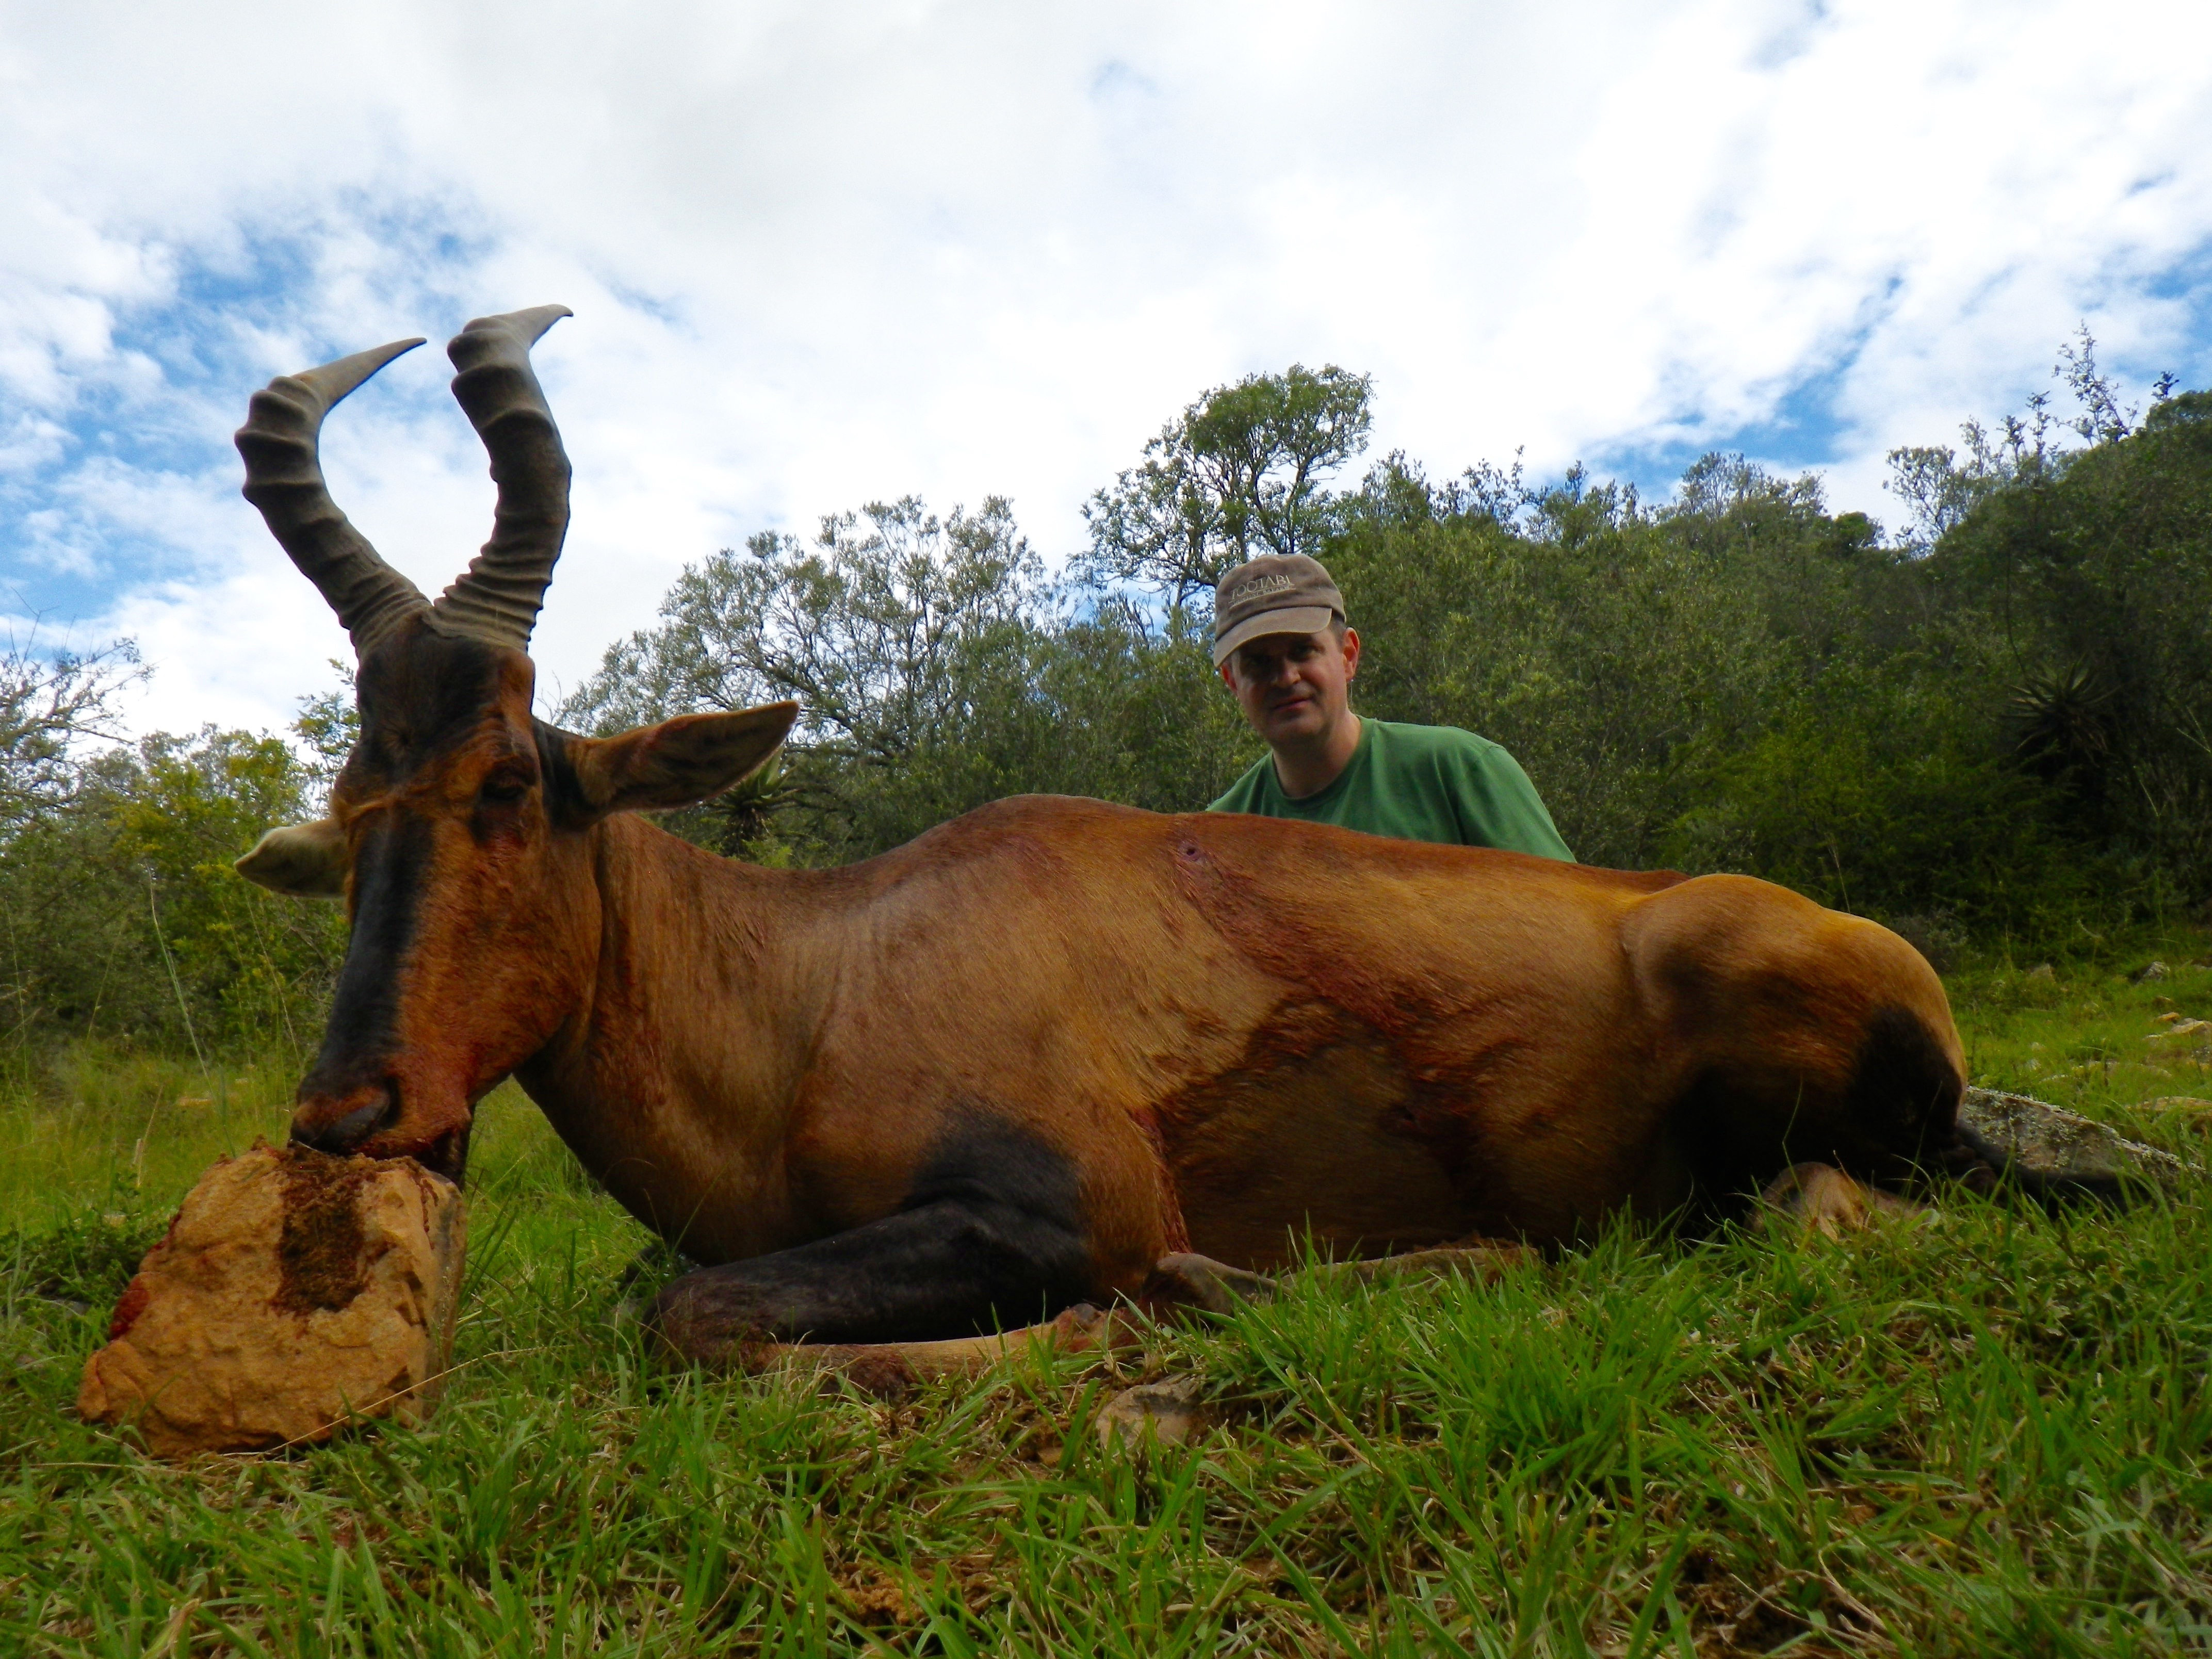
(1282, 645)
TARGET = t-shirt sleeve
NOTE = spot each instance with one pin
(1497, 805)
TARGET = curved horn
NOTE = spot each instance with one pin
(284, 479)
(497, 599)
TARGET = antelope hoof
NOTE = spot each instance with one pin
(695, 1320)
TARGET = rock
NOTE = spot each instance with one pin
(2043, 1140)
(1168, 1414)
(2041, 970)
(2151, 971)
(294, 1292)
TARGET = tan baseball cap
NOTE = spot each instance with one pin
(1274, 594)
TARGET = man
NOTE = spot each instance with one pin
(1283, 646)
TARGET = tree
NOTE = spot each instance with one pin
(1239, 472)
(895, 631)
(2096, 578)
(1942, 489)
(870, 629)
(329, 724)
(2103, 419)
(50, 704)
(936, 670)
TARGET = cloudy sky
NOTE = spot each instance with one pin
(821, 255)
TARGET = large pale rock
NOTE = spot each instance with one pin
(2039, 1139)
(294, 1292)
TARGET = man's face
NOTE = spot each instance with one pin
(1293, 687)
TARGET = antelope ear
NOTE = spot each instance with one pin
(677, 762)
(300, 860)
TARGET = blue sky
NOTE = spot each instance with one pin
(821, 256)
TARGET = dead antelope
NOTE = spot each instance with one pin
(1012, 1065)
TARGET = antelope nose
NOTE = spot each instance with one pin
(345, 1133)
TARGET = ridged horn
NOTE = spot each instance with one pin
(497, 599)
(284, 479)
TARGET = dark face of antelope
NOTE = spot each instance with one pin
(460, 833)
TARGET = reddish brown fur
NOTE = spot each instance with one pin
(1234, 1028)
(1077, 1037)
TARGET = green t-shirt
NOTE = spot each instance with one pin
(1419, 783)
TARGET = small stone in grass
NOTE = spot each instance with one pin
(294, 1293)
(1165, 1414)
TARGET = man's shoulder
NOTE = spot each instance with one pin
(1248, 793)
(1415, 743)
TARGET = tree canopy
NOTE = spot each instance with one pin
(1239, 472)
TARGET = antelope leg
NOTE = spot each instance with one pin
(993, 1227)
(1179, 1282)
(1485, 1263)
(892, 1368)
(1186, 1280)
(909, 1277)
(1814, 1197)
(1190, 1280)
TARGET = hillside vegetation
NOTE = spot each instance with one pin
(1995, 726)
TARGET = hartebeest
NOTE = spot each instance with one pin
(1010, 1065)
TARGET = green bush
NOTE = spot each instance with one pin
(125, 919)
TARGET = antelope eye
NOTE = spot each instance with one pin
(506, 787)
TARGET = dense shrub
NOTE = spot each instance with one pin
(124, 920)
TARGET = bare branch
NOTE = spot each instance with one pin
(52, 703)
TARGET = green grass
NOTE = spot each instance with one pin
(1992, 1434)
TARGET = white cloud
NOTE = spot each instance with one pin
(819, 255)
